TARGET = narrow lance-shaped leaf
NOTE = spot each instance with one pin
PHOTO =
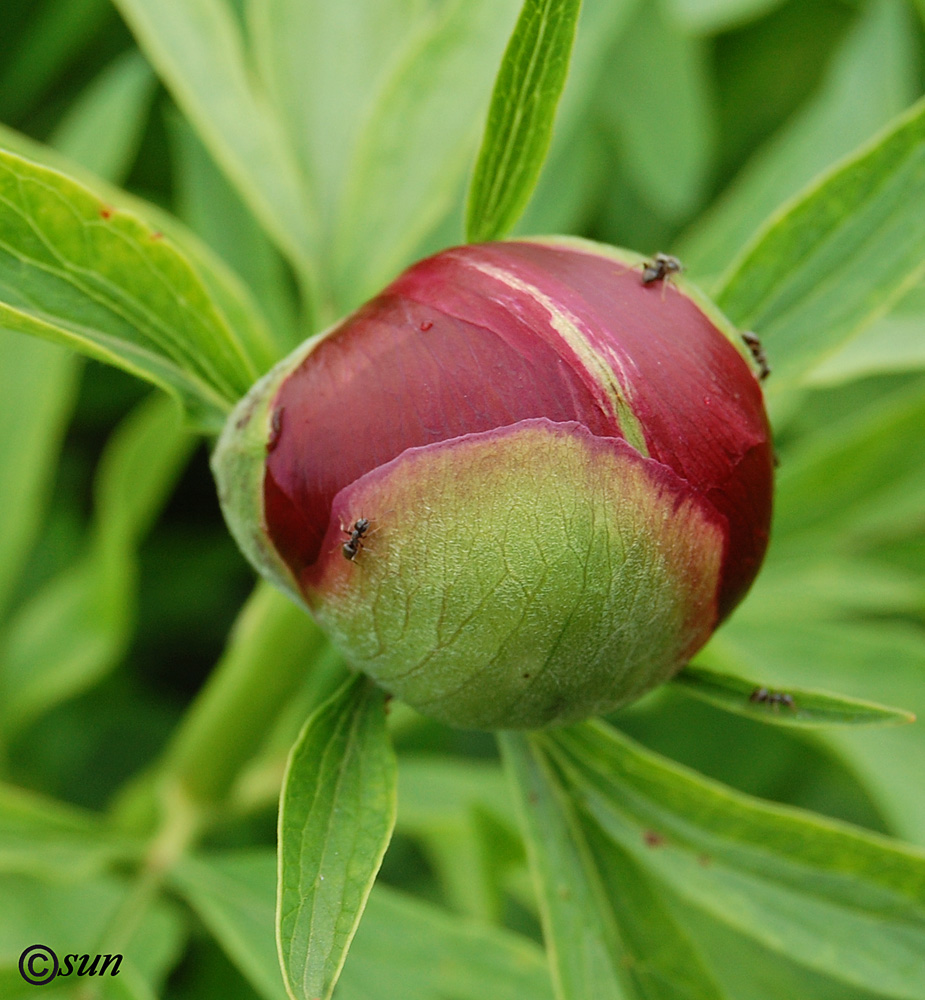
(581, 936)
(101, 130)
(520, 117)
(608, 934)
(836, 257)
(336, 819)
(790, 707)
(846, 903)
(80, 272)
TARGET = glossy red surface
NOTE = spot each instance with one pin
(456, 345)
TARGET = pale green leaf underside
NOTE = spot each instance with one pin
(664, 130)
(607, 932)
(520, 116)
(893, 344)
(198, 52)
(805, 708)
(80, 272)
(336, 818)
(322, 65)
(405, 949)
(786, 879)
(408, 169)
(835, 258)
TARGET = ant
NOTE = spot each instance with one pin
(775, 699)
(754, 345)
(660, 267)
(354, 543)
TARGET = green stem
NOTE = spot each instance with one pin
(271, 647)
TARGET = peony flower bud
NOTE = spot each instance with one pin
(519, 487)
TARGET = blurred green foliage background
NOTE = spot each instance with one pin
(684, 123)
(687, 105)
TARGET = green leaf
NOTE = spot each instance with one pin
(892, 344)
(664, 128)
(405, 949)
(607, 931)
(336, 817)
(805, 708)
(233, 894)
(104, 127)
(196, 48)
(739, 964)
(39, 378)
(80, 272)
(40, 836)
(520, 117)
(323, 65)
(410, 950)
(226, 290)
(84, 918)
(872, 659)
(783, 878)
(872, 78)
(459, 811)
(713, 16)
(49, 42)
(834, 260)
(39, 381)
(69, 634)
(578, 160)
(212, 208)
(845, 483)
(410, 161)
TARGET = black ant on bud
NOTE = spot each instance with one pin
(661, 266)
(761, 695)
(354, 543)
(753, 343)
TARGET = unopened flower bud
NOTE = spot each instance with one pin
(519, 487)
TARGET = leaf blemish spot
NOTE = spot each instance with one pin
(653, 838)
